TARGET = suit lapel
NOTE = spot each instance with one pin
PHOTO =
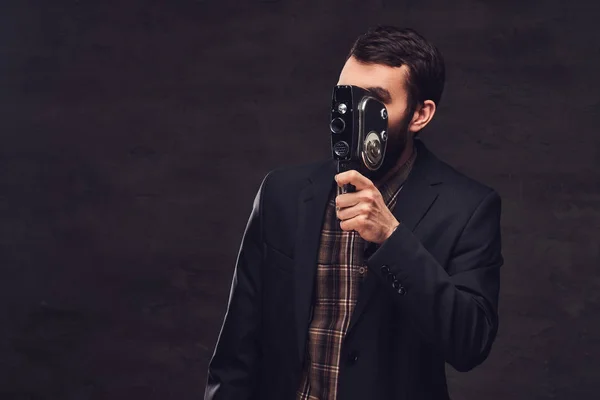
(311, 211)
(413, 202)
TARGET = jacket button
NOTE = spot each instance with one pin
(396, 285)
(385, 269)
(401, 290)
(353, 357)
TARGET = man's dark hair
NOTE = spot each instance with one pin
(394, 47)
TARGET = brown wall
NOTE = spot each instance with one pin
(134, 136)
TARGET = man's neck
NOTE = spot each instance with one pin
(404, 157)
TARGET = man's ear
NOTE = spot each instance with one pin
(422, 115)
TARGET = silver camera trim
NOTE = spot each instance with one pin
(361, 138)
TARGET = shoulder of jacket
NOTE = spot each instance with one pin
(463, 186)
(294, 173)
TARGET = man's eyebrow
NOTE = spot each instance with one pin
(380, 93)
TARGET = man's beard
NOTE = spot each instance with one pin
(397, 142)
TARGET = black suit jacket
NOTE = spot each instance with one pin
(446, 253)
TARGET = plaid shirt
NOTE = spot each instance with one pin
(340, 270)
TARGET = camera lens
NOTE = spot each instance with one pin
(337, 125)
(372, 151)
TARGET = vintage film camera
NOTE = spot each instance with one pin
(359, 124)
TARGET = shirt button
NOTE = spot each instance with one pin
(362, 270)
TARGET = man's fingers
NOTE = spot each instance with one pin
(353, 177)
(347, 200)
(351, 212)
(368, 196)
(353, 224)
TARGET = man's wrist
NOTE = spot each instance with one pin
(392, 230)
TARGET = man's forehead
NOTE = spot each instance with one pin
(372, 75)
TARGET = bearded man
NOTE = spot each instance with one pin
(365, 295)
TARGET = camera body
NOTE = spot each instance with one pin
(358, 126)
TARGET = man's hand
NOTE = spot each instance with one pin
(364, 211)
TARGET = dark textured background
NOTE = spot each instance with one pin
(134, 136)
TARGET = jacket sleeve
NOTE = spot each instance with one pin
(455, 308)
(234, 366)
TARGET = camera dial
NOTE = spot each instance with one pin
(372, 150)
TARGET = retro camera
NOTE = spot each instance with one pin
(359, 124)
